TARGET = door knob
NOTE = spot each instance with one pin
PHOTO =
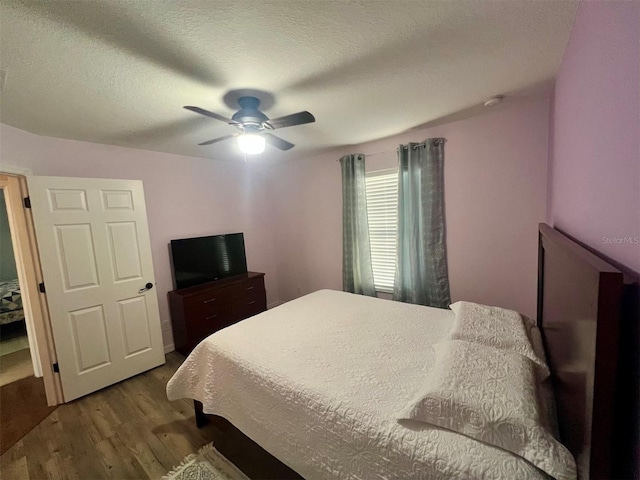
(148, 286)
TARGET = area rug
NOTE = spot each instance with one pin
(207, 464)
(23, 405)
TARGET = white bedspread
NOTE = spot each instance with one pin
(318, 382)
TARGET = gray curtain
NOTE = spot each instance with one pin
(357, 272)
(421, 267)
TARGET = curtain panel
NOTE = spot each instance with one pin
(421, 266)
(357, 272)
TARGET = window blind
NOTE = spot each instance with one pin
(382, 213)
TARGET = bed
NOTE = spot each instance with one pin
(318, 382)
(10, 302)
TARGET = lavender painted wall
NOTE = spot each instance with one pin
(185, 196)
(594, 161)
(495, 194)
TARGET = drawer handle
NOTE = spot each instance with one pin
(212, 316)
(210, 300)
(249, 288)
(251, 303)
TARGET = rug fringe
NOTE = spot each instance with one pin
(215, 460)
(188, 459)
(226, 461)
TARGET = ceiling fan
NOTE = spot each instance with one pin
(253, 124)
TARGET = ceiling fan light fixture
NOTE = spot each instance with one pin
(251, 143)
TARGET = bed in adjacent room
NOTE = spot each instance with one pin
(10, 302)
(342, 386)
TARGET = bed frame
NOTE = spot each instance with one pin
(588, 317)
(582, 311)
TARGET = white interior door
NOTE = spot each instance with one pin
(95, 252)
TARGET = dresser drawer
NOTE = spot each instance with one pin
(197, 312)
(250, 307)
(201, 328)
(207, 304)
(252, 287)
(251, 300)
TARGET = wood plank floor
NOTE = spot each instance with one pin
(127, 431)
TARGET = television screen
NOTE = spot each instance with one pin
(205, 259)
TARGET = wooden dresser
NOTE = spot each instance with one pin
(197, 312)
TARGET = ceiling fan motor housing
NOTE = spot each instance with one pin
(249, 115)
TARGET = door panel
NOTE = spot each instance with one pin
(77, 256)
(94, 245)
(135, 325)
(117, 199)
(124, 248)
(90, 338)
(67, 200)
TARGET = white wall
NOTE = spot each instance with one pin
(495, 191)
(185, 197)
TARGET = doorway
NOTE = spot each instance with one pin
(23, 296)
(15, 355)
(27, 393)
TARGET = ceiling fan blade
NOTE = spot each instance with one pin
(219, 139)
(299, 118)
(278, 142)
(207, 113)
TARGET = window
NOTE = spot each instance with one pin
(382, 212)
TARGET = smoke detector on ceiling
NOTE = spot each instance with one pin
(493, 101)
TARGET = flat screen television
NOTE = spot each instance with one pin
(205, 259)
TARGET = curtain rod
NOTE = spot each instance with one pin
(422, 144)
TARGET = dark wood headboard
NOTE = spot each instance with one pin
(579, 315)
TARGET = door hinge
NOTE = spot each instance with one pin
(56, 368)
(41, 288)
(27, 202)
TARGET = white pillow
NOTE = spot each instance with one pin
(494, 327)
(490, 395)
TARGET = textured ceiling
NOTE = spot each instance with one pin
(119, 72)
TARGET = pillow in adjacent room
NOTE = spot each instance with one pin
(490, 395)
(494, 327)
